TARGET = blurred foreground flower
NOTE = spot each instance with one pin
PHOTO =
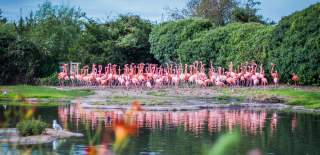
(91, 150)
(127, 127)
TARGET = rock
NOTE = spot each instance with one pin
(10, 135)
(62, 133)
(267, 99)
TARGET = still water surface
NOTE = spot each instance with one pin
(170, 133)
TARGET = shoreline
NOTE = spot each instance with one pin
(282, 97)
(186, 99)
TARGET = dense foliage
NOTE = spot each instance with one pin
(232, 43)
(296, 45)
(220, 12)
(32, 47)
(293, 44)
(167, 37)
(31, 127)
(124, 40)
(20, 59)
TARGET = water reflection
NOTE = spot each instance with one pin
(249, 121)
(136, 131)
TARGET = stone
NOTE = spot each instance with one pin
(10, 135)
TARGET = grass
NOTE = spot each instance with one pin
(293, 96)
(228, 98)
(26, 104)
(307, 98)
(20, 92)
(160, 92)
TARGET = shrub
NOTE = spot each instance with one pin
(31, 127)
(21, 61)
(235, 42)
(51, 80)
(120, 41)
(167, 37)
(296, 45)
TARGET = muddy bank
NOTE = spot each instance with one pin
(171, 100)
(168, 99)
(182, 96)
(188, 107)
(10, 135)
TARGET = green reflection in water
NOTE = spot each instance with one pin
(193, 132)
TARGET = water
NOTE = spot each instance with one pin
(171, 133)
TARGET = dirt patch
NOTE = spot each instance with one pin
(186, 98)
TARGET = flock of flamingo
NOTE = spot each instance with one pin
(155, 76)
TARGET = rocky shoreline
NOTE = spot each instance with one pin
(166, 99)
(10, 135)
(169, 100)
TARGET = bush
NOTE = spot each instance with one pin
(31, 127)
(51, 80)
(296, 45)
(21, 61)
(167, 37)
(124, 40)
(235, 42)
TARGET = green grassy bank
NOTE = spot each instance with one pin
(309, 97)
(20, 92)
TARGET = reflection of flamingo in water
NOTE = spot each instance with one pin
(294, 123)
(251, 121)
(274, 120)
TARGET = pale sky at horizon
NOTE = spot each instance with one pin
(154, 10)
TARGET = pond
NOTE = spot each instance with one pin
(170, 132)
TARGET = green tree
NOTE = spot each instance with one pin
(296, 45)
(124, 40)
(7, 37)
(2, 19)
(235, 42)
(247, 12)
(167, 37)
(22, 62)
(217, 11)
(56, 30)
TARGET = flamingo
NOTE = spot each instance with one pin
(154, 76)
(274, 75)
(295, 78)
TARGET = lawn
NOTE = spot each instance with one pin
(310, 98)
(27, 91)
(307, 98)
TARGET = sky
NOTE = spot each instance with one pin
(154, 10)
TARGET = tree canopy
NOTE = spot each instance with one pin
(167, 37)
(124, 40)
(296, 45)
(220, 12)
